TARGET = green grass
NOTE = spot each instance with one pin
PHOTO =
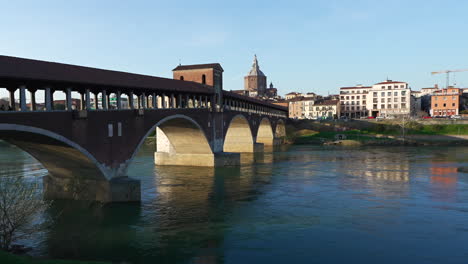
(384, 129)
(418, 129)
(330, 136)
(14, 259)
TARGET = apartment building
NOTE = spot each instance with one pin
(389, 99)
(353, 101)
(325, 109)
(292, 95)
(446, 102)
(300, 107)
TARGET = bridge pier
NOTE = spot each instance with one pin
(220, 159)
(121, 189)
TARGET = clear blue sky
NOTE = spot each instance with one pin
(302, 46)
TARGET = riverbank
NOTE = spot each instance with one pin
(9, 258)
(376, 133)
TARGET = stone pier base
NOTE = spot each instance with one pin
(258, 147)
(278, 141)
(198, 160)
(122, 189)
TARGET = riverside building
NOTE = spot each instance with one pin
(446, 102)
(389, 99)
(353, 101)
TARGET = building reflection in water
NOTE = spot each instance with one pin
(392, 171)
(443, 178)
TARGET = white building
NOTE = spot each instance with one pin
(353, 101)
(292, 95)
(325, 109)
(300, 107)
(390, 99)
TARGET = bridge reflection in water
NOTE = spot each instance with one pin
(183, 218)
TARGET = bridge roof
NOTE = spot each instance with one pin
(20, 69)
(253, 100)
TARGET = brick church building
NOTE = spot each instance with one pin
(255, 83)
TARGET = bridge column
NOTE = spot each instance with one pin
(173, 102)
(143, 100)
(138, 102)
(130, 100)
(179, 101)
(155, 101)
(23, 98)
(104, 101)
(88, 99)
(32, 92)
(68, 99)
(148, 105)
(48, 99)
(119, 100)
(163, 101)
(12, 99)
(96, 100)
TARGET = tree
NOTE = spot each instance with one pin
(403, 123)
(20, 203)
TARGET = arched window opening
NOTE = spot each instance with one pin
(203, 79)
(181, 78)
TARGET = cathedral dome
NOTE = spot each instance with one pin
(255, 71)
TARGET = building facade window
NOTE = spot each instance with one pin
(203, 79)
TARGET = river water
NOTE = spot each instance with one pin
(301, 204)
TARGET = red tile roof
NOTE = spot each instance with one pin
(389, 82)
(356, 87)
(199, 66)
(20, 69)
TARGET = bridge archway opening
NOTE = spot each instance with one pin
(180, 141)
(60, 156)
(124, 101)
(238, 136)
(73, 173)
(265, 132)
(181, 136)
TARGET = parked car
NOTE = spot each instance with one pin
(370, 117)
(427, 117)
(380, 117)
(455, 117)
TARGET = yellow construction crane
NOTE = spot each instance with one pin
(448, 74)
